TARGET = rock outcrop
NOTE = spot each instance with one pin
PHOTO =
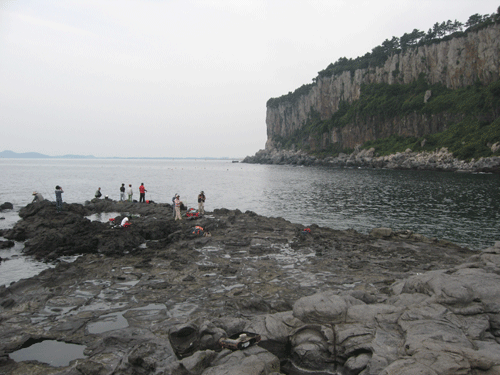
(455, 63)
(323, 301)
(6, 206)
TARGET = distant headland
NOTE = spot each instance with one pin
(7, 154)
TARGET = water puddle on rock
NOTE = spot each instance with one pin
(102, 305)
(16, 266)
(182, 310)
(126, 285)
(228, 288)
(151, 306)
(108, 322)
(115, 321)
(54, 353)
(353, 285)
(103, 217)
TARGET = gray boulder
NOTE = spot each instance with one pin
(251, 361)
(326, 307)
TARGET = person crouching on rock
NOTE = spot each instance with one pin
(98, 193)
(37, 197)
(178, 204)
(125, 223)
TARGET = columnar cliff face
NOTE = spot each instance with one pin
(456, 63)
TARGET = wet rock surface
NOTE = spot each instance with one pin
(6, 206)
(155, 298)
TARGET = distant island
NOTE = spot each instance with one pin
(8, 154)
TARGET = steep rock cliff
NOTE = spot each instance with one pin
(456, 63)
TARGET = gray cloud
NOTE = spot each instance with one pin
(177, 78)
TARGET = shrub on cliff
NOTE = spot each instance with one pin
(470, 139)
(379, 54)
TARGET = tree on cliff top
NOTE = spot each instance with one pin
(379, 54)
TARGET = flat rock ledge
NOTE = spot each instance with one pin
(440, 160)
(155, 298)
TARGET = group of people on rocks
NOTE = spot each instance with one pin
(130, 193)
(38, 197)
(176, 202)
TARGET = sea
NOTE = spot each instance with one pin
(458, 207)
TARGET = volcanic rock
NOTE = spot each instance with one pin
(155, 299)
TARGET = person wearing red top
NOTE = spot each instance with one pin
(142, 191)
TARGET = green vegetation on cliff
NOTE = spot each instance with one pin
(470, 139)
(477, 107)
(379, 54)
(464, 120)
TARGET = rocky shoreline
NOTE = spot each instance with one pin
(440, 160)
(155, 298)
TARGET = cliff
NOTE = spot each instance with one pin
(455, 63)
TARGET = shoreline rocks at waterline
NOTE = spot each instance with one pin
(155, 298)
(440, 160)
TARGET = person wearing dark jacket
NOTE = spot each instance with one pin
(59, 201)
(201, 202)
(122, 193)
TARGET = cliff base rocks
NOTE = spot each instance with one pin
(441, 160)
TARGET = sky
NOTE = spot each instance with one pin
(187, 78)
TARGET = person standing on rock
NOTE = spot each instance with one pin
(201, 202)
(178, 204)
(142, 191)
(59, 201)
(130, 192)
(122, 193)
(173, 203)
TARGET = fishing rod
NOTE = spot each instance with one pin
(43, 190)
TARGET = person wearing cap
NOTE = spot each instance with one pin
(201, 202)
(178, 204)
(37, 197)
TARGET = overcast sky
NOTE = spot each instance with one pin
(178, 78)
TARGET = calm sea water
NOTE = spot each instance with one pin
(463, 208)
